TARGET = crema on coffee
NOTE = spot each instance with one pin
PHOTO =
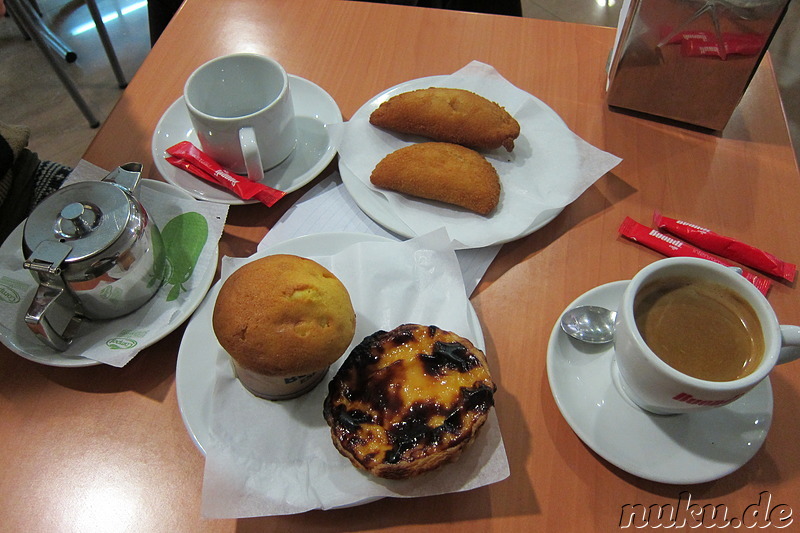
(699, 328)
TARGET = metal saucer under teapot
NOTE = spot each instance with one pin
(95, 253)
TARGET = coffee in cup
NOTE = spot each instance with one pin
(699, 328)
(692, 334)
(241, 108)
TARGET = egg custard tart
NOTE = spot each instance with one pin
(408, 400)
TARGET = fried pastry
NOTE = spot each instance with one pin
(407, 401)
(445, 172)
(449, 115)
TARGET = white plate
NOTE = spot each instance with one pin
(197, 355)
(680, 449)
(314, 110)
(22, 341)
(375, 204)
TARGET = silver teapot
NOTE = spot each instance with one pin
(94, 252)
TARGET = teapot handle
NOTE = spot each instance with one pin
(51, 316)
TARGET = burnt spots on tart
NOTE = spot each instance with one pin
(408, 400)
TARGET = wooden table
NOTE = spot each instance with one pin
(104, 449)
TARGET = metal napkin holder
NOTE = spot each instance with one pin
(689, 61)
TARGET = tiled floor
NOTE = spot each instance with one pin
(31, 94)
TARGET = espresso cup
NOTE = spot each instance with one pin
(692, 334)
(241, 108)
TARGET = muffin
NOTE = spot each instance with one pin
(407, 401)
(283, 320)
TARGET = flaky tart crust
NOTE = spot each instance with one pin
(407, 401)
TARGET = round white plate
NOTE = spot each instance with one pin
(375, 204)
(680, 449)
(19, 339)
(314, 110)
(197, 355)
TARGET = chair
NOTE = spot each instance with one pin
(25, 14)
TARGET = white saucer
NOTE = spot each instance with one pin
(314, 110)
(19, 339)
(197, 356)
(681, 449)
(375, 203)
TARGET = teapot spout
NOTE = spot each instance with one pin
(127, 176)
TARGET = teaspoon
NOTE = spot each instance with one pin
(589, 323)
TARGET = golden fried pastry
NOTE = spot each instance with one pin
(409, 400)
(441, 171)
(449, 115)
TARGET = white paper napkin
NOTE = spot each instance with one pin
(328, 208)
(549, 167)
(115, 342)
(270, 458)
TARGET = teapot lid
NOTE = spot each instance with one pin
(86, 216)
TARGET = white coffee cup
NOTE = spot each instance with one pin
(656, 386)
(241, 108)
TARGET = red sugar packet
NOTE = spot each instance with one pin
(726, 247)
(706, 43)
(188, 157)
(709, 36)
(672, 247)
(695, 48)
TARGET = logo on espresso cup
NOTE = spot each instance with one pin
(688, 398)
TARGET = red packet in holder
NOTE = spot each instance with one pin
(188, 157)
(744, 47)
(672, 247)
(726, 247)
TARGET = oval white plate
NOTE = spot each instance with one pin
(19, 339)
(375, 204)
(197, 356)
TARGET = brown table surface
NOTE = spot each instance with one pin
(104, 449)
